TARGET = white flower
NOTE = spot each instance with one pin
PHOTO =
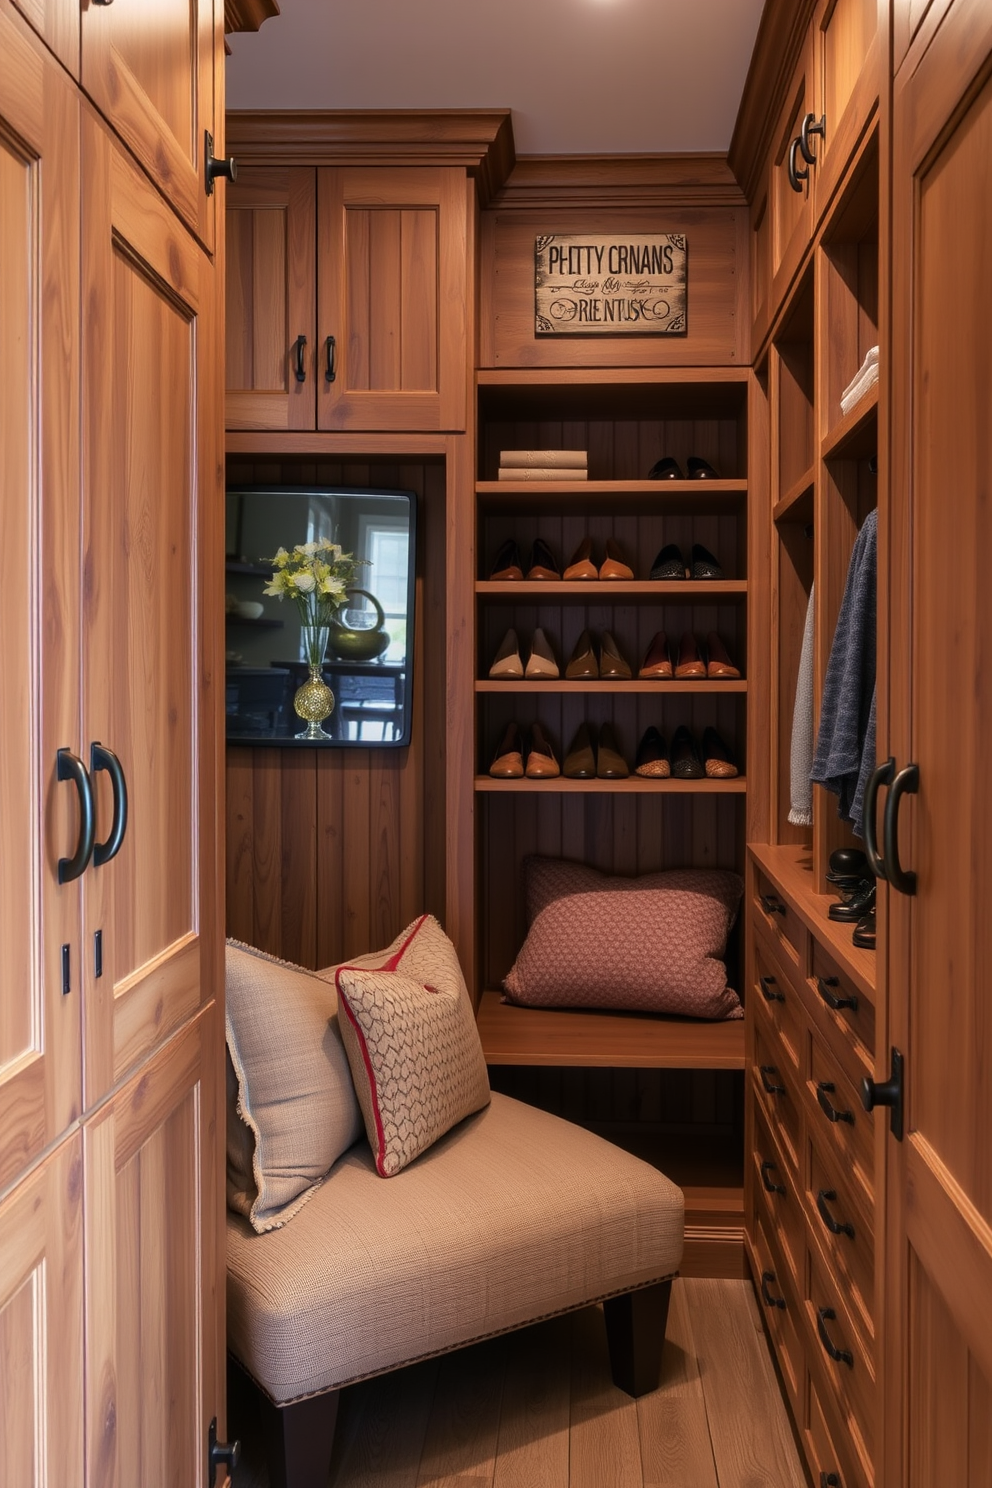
(305, 582)
(308, 548)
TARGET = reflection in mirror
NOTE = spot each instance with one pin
(274, 696)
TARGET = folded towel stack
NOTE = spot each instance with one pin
(543, 465)
(858, 386)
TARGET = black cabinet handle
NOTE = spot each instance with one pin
(771, 905)
(767, 984)
(102, 758)
(823, 985)
(215, 166)
(766, 1168)
(907, 782)
(797, 173)
(331, 371)
(299, 347)
(811, 125)
(835, 1226)
(220, 1454)
(824, 1090)
(830, 1480)
(766, 1296)
(70, 767)
(881, 775)
(887, 1093)
(826, 1315)
(770, 1069)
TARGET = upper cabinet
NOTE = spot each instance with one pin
(848, 51)
(155, 83)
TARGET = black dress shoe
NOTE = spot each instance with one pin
(669, 563)
(665, 469)
(849, 911)
(704, 565)
(700, 469)
(684, 756)
(864, 932)
(846, 863)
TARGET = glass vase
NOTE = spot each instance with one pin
(314, 701)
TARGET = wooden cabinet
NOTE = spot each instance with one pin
(57, 23)
(849, 50)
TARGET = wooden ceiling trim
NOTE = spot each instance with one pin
(248, 15)
(539, 181)
(783, 26)
(481, 140)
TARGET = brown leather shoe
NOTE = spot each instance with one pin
(507, 662)
(689, 663)
(582, 665)
(719, 666)
(580, 565)
(541, 761)
(611, 663)
(652, 756)
(614, 566)
(610, 763)
(541, 663)
(580, 761)
(508, 761)
(657, 660)
(718, 759)
(543, 564)
(507, 565)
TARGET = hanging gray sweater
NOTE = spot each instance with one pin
(845, 746)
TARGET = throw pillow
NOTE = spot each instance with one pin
(294, 1094)
(648, 944)
(412, 1042)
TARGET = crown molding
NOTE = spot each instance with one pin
(480, 140)
(248, 15)
(781, 32)
(543, 181)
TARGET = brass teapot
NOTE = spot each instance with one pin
(360, 645)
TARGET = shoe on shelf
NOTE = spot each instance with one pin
(852, 908)
(704, 565)
(580, 761)
(669, 563)
(652, 756)
(612, 664)
(542, 763)
(699, 469)
(541, 663)
(719, 666)
(582, 665)
(543, 564)
(508, 761)
(615, 567)
(657, 661)
(610, 763)
(507, 565)
(684, 756)
(689, 665)
(845, 864)
(718, 759)
(580, 565)
(508, 662)
(864, 932)
(665, 469)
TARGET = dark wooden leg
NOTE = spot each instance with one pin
(635, 1331)
(299, 1439)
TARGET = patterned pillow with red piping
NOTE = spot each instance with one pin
(412, 1043)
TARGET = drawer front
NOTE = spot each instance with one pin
(784, 926)
(781, 1313)
(777, 1002)
(832, 1465)
(845, 1014)
(775, 1098)
(838, 1121)
(845, 1238)
(843, 1354)
(777, 1201)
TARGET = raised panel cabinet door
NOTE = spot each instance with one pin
(154, 1319)
(392, 298)
(791, 205)
(936, 1343)
(271, 363)
(41, 1324)
(849, 58)
(150, 69)
(57, 23)
(40, 1048)
(151, 614)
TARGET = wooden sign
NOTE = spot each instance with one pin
(630, 286)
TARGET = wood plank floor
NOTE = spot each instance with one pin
(537, 1409)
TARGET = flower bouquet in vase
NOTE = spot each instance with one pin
(316, 576)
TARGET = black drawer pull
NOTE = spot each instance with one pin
(766, 1168)
(330, 371)
(299, 351)
(771, 905)
(826, 1315)
(102, 758)
(824, 1089)
(69, 766)
(797, 173)
(766, 1296)
(835, 1226)
(770, 1069)
(767, 984)
(823, 985)
(830, 1480)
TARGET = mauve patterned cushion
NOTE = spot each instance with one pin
(648, 944)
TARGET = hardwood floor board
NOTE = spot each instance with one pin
(753, 1445)
(676, 1451)
(381, 1428)
(532, 1447)
(460, 1444)
(603, 1439)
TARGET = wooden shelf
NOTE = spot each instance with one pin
(714, 497)
(791, 867)
(594, 1040)
(659, 688)
(600, 592)
(633, 785)
(797, 503)
(856, 436)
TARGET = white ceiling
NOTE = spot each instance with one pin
(581, 76)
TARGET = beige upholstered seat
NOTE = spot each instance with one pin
(514, 1215)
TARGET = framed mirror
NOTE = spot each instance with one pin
(368, 650)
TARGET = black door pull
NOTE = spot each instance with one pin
(102, 758)
(764, 1070)
(220, 1454)
(331, 371)
(216, 165)
(835, 1226)
(906, 783)
(883, 774)
(826, 1315)
(766, 1169)
(70, 767)
(797, 173)
(766, 1296)
(811, 125)
(887, 1093)
(299, 347)
(823, 986)
(824, 1090)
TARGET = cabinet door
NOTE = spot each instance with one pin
(937, 1339)
(849, 61)
(151, 609)
(41, 1324)
(57, 23)
(791, 208)
(154, 1320)
(392, 292)
(39, 524)
(271, 300)
(150, 70)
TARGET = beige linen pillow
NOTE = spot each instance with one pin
(412, 1042)
(294, 1094)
